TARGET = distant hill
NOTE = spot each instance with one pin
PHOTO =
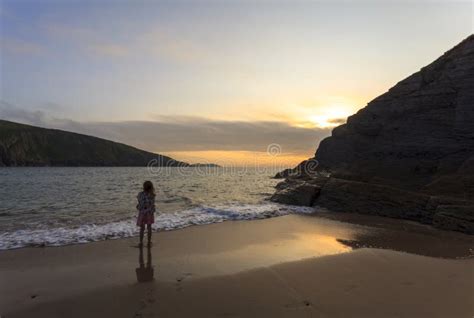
(205, 165)
(24, 145)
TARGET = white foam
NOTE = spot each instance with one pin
(127, 228)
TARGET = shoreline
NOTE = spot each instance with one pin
(282, 262)
(355, 219)
(126, 228)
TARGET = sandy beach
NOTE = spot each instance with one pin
(288, 159)
(332, 265)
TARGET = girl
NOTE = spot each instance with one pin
(146, 210)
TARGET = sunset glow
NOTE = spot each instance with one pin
(186, 77)
(241, 158)
(331, 116)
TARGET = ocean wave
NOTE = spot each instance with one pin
(163, 222)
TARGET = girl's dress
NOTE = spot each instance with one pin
(146, 209)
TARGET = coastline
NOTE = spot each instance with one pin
(287, 266)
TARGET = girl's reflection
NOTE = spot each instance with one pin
(144, 273)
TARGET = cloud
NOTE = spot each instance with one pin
(166, 44)
(70, 33)
(337, 121)
(16, 46)
(88, 40)
(41, 117)
(158, 43)
(11, 112)
(174, 133)
(204, 134)
(111, 50)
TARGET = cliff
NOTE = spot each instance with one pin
(409, 153)
(24, 145)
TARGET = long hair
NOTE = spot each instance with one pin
(148, 188)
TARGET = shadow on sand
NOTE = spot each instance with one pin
(145, 272)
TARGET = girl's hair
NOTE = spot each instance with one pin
(149, 188)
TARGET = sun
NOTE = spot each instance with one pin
(331, 116)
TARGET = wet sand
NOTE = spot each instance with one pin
(291, 266)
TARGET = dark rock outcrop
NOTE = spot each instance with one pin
(455, 218)
(418, 136)
(204, 165)
(306, 169)
(410, 152)
(24, 145)
(361, 197)
(297, 191)
(301, 194)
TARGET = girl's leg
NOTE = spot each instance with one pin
(149, 233)
(142, 232)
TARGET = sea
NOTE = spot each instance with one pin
(54, 206)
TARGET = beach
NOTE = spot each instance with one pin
(288, 159)
(330, 265)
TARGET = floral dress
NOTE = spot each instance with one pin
(146, 209)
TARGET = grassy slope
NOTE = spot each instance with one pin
(24, 145)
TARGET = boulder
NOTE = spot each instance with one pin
(284, 173)
(366, 198)
(306, 169)
(302, 194)
(455, 218)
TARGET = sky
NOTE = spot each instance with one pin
(213, 80)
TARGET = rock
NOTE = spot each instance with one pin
(418, 136)
(455, 218)
(302, 194)
(306, 169)
(360, 197)
(408, 154)
(204, 165)
(283, 185)
(284, 174)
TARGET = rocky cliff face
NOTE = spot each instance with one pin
(415, 135)
(24, 145)
(415, 141)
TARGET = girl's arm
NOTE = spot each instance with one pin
(140, 204)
